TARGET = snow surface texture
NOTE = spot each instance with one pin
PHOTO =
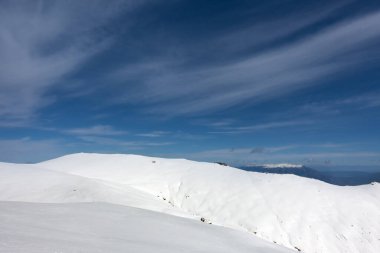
(299, 213)
(99, 226)
(102, 227)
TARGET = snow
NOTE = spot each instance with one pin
(292, 211)
(102, 227)
(30, 184)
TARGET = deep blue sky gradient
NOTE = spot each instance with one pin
(235, 81)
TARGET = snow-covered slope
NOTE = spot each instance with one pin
(299, 213)
(104, 228)
(21, 182)
(86, 221)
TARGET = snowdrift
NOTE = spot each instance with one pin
(302, 214)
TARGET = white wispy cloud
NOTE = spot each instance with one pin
(278, 71)
(283, 155)
(333, 107)
(215, 123)
(25, 150)
(115, 142)
(153, 134)
(257, 35)
(95, 130)
(262, 126)
(244, 152)
(366, 100)
(42, 42)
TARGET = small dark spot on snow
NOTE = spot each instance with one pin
(164, 198)
(203, 219)
(297, 248)
(153, 161)
(274, 242)
(74, 190)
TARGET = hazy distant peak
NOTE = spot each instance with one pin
(281, 165)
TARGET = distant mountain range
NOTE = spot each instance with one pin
(332, 177)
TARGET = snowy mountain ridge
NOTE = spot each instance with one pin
(299, 213)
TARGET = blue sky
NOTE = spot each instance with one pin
(236, 81)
